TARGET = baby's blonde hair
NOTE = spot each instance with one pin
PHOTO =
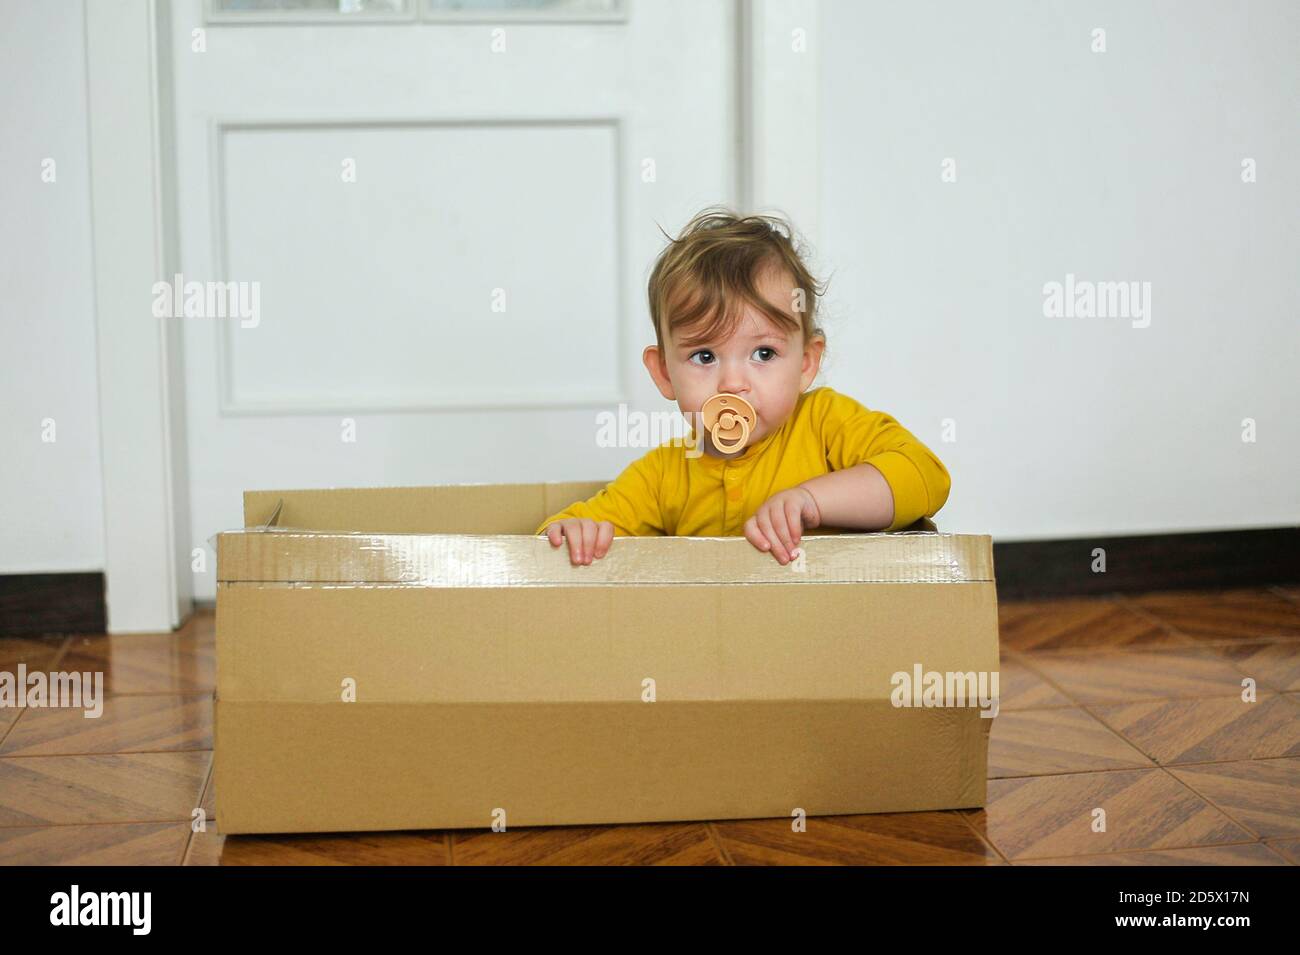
(707, 273)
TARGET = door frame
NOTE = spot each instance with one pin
(141, 391)
(147, 553)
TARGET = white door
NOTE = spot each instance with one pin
(450, 224)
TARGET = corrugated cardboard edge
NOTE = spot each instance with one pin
(287, 556)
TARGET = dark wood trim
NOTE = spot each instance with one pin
(1196, 561)
(52, 603)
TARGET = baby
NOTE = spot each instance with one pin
(733, 307)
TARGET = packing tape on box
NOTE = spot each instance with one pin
(302, 558)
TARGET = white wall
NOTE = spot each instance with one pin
(51, 506)
(1122, 165)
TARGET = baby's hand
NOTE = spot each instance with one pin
(587, 538)
(779, 522)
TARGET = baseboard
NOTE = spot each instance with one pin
(52, 603)
(1197, 561)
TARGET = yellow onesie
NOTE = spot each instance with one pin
(667, 492)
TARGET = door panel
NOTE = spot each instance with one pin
(450, 224)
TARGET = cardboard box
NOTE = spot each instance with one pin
(490, 675)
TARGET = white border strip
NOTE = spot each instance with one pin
(135, 350)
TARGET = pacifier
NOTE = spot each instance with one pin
(729, 419)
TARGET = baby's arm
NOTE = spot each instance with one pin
(858, 497)
(882, 477)
(627, 507)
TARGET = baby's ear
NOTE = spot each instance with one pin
(812, 361)
(654, 363)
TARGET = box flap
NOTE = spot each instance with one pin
(436, 509)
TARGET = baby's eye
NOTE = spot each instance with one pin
(702, 351)
(766, 349)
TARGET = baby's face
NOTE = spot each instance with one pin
(766, 365)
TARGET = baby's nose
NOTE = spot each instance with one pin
(733, 380)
